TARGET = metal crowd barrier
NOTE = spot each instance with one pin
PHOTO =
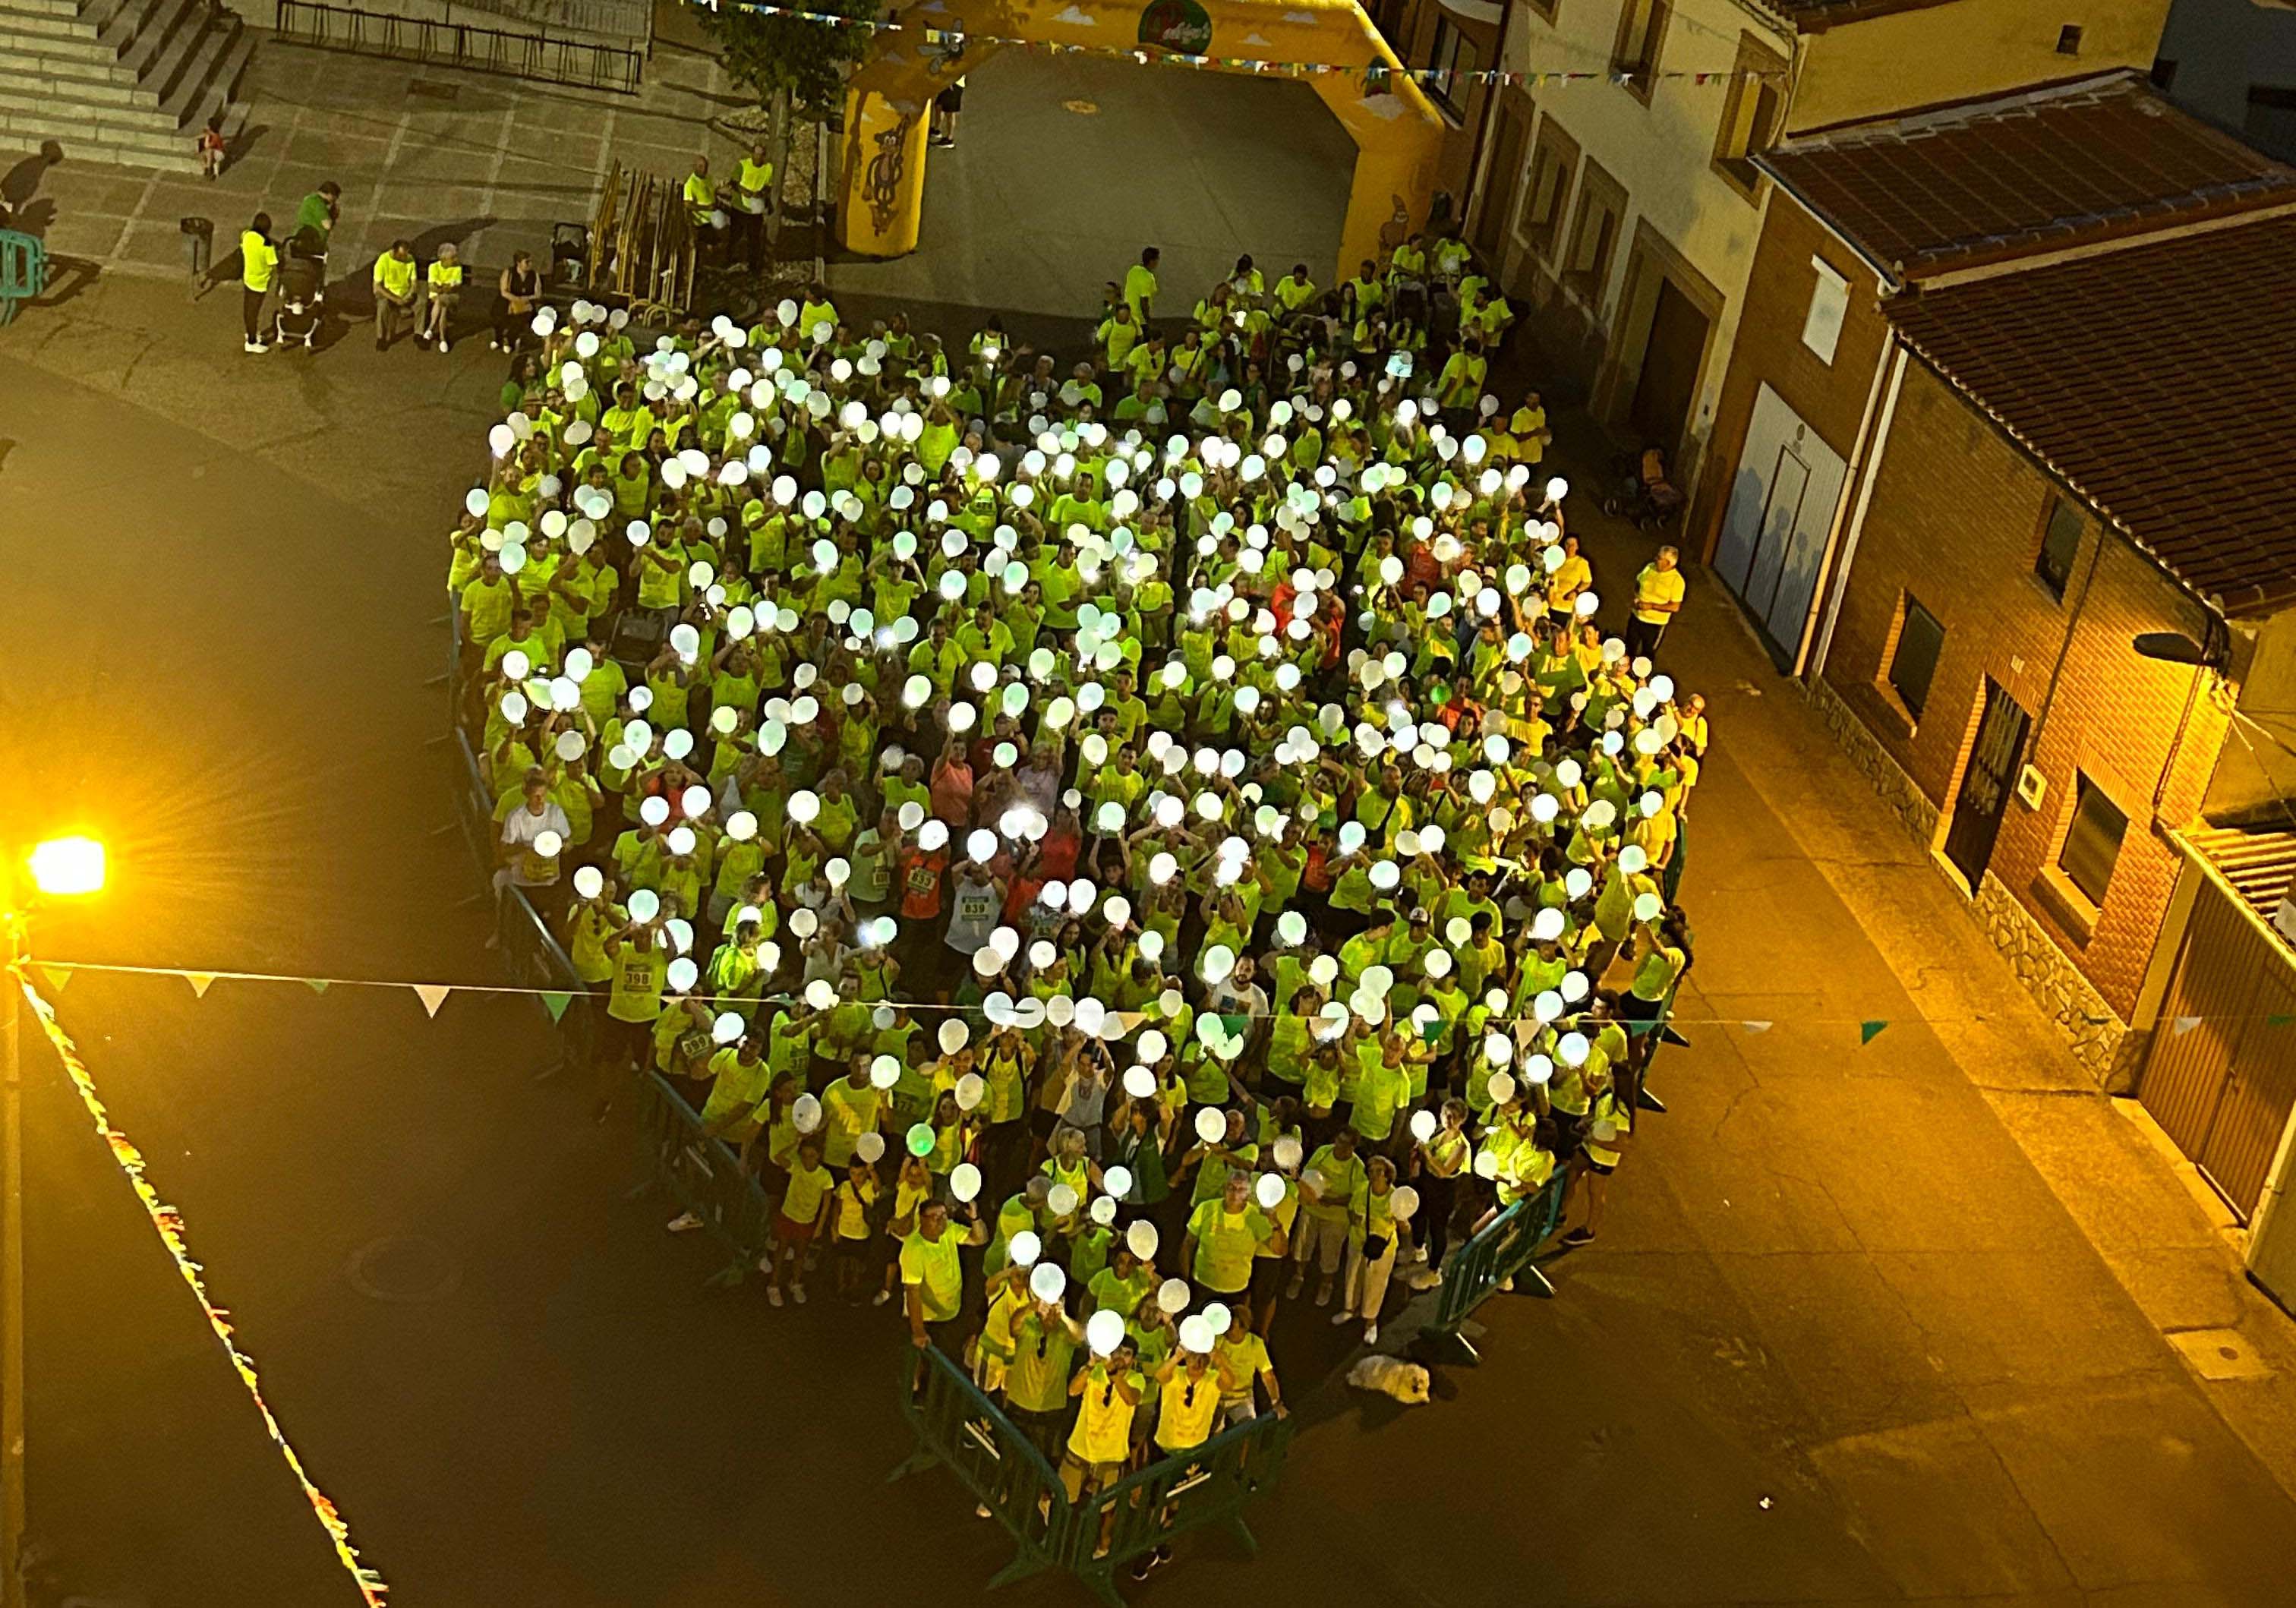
(579, 63)
(1502, 1249)
(704, 1176)
(959, 1428)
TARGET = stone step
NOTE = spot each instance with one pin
(52, 8)
(24, 17)
(19, 45)
(102, 142)
(94, 85)
(164, 31)
(87, 119)
(211, 77)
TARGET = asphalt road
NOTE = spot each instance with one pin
(1808, 1362)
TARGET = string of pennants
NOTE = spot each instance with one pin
(167, 1222)
(952, 40)
(58, 975)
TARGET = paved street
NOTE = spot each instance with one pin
(1866, 1325)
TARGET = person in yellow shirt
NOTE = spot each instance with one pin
(755, 182)
(852, 1212)
(1108, 1391)
(393, 293)
(1295, 290)
(258, 260)
(1657, 599)
(1140, 286)
(445, 280)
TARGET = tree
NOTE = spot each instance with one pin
(785, 60)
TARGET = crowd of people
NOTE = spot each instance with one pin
(1122, 849)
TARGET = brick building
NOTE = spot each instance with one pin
(2013, 457)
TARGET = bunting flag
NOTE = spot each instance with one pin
(557, 1002)
(167, 1222)
(953, 41)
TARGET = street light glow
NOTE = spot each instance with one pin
(66, 868)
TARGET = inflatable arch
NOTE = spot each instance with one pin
(1397, 131)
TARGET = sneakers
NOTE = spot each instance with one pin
(1324, 1293)
(1292, 1290)
(685, 1220)
(881, 1297)
(797, 1293)
(773, 1294)
(1340, 1316)
(1150, 1560)
(422, 338)
(980, 1511)
(1371, 1335)
(1579, 1236)
(257, 346)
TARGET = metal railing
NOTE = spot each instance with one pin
(703, 1175)
(1501, 1250)
(960, 1429)
(629, 20)
(581, 63)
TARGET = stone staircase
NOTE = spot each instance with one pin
(124, 82)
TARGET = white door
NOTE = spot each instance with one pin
(1780, 522)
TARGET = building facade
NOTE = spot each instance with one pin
(1625, 208)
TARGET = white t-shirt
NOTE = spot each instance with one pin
(521, 827)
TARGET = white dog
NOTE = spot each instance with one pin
(1406, 1382)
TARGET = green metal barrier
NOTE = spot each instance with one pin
(704, 1176)
(24, 270)
(1502, 1249)
(959, 1428)
(1209, 1484)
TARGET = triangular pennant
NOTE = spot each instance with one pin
(1755, 1027)
(431, 994)
(2183, 1024)
(1868, 1031)
(556, 1003)
(318, 985)
(57, 977)
(200, 982)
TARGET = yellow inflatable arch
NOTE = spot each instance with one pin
(1397, 132)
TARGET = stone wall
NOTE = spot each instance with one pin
(2103, 1043)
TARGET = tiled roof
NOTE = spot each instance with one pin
(2015, 173)
(2153, 379)
(2259, 864)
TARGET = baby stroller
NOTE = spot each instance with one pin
(297, 322)
(1646, 497)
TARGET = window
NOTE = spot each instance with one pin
(1749, 115)
(2060, 534)
(2270, 124)
(1546, 202)
(1829, 304)
(1913, 664)
(1594, 235)
(1452, 63)
(2069, 40)
(2091, 840)
(1642, 33)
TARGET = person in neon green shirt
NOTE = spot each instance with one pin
(932, 1278)
(1140, 287)
(393, 293)
(258, 260)
(1224, 1234)
(1107, 1391)
(444, 280)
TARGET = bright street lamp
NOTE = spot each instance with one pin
(64, 867)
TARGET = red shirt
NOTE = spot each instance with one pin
(921, 882)
(952, 792)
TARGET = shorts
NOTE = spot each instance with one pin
(789, 1231)
(1269, 1274)
(1569, 1130)
(1087, 1479)
(949, 1337)
(1600, 1169)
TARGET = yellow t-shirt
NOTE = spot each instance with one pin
(258, 258)
(1103, 1424)
(755, 176)
(1188, 1406)
(1656, 586)
(806, 1186)
(445, 276)
(395, 277)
